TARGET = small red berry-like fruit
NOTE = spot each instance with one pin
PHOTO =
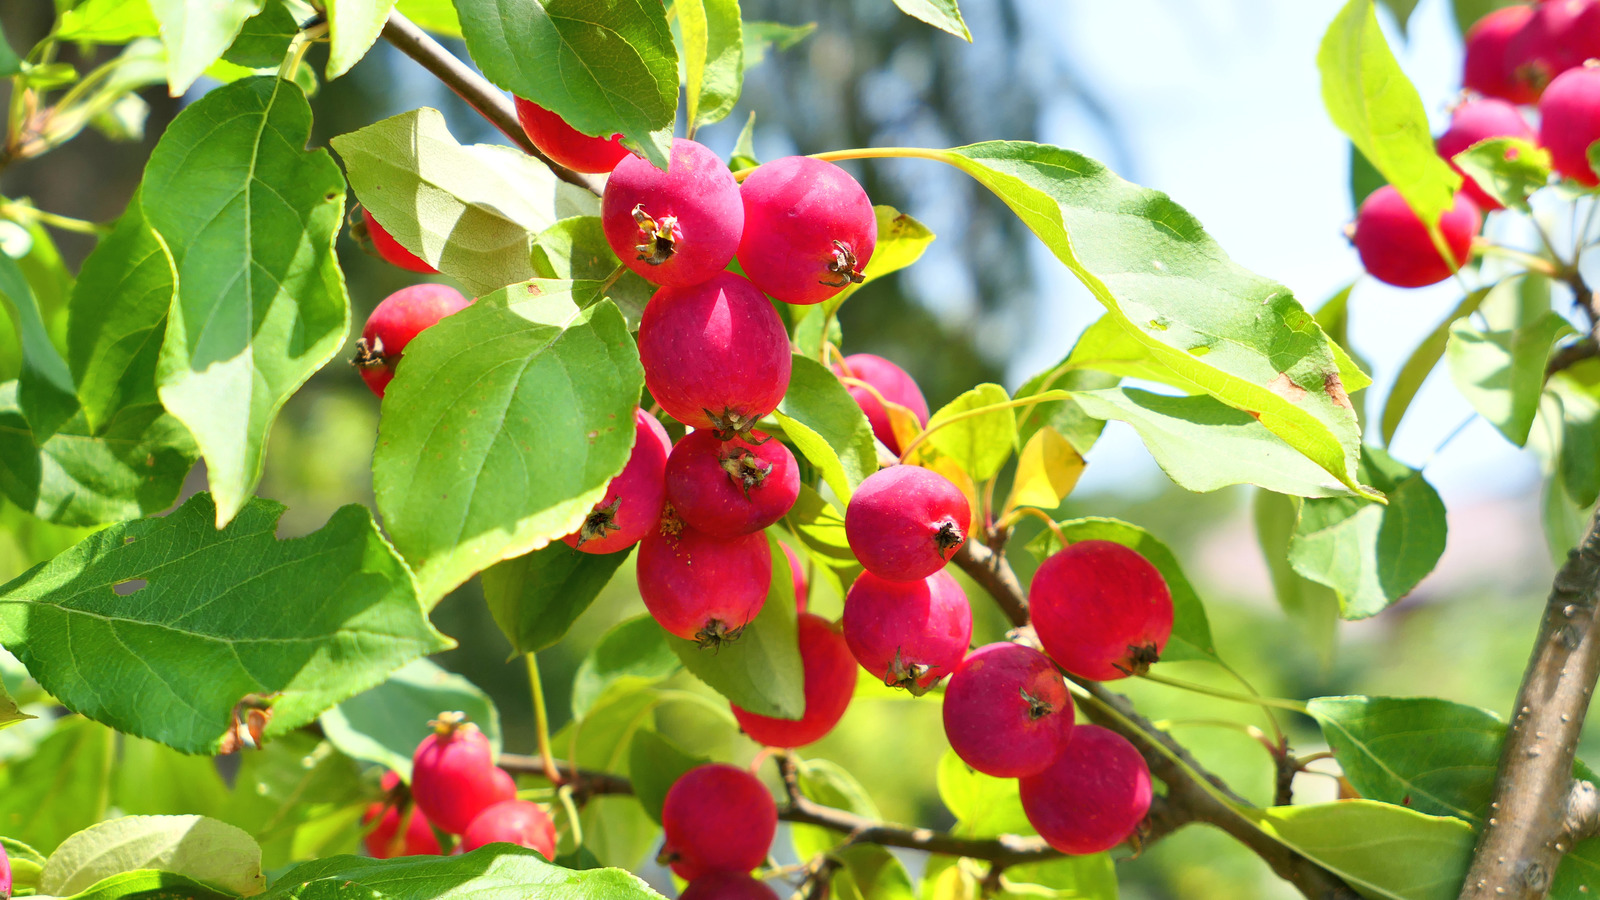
(727, 886)
(726, 488)
(385, 246)
(1006, 711)
(715, 354)
(909, 634)
(519, 822)
(717, 818)
(632, 504)
(677, 227)
(830, 681)
(1488, 67)
(400, 317)
(566, 145)
(1092, 797)
(1569, 121)
(797, 571)
(1395, 247)
(384, 840)
(453, 777)
(809, 229)
(1559, 36)
(702, 588)
(1480, 120)
(891, 383)
(1101, 610)
(905, 522)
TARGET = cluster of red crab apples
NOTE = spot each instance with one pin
(717, 359)
(1542, 54)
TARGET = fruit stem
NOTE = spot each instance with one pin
(1020, 511)
(301, 44)
(565, 795)
(1532, 261)
(1272, 702)
(967, 414)
(18, 212)
(541, 722)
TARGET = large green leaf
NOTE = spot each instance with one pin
(196, 34)
(44, 394)
(713, 58)
(1421, 362)
(1501, 373)
(144, 883)
(605, 66)
(250, 217)
(1235, 335)
(1421, 857)
(264, 40)
(437, 16)
(983, 805)
(10, 63)
(107, 22)
(206, 850)
(510, 418)
(499, 872)
(1507, 169)
(654, 764)
(1203, 444)
(1370, 99)
(634, 653)
(155, 627)
(941, 14)
(980, 444)
(353, 27)
(62, 788)
(826, 424)
(576, 249)
(384, 724)
(1372, 554)
(1579, 416)
(870, 872)
(298, 797)
(829, 784)
(537, 596)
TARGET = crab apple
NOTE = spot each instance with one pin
(1006, 711)
(384, 841)
(1480, 120)
(5, 874)
(519, 822)
(830, 681)
(905, 522)
(453, 776)
(727, 886)
(909, 634)
(715, 354)
(390, 250)
(797, 572)
(565, 145)
(632, 504)
(726, 488)
(677, 227)
(400, 317)
(1569, 121)
(702, 588)
(717, 818)
(1488, 68)
(1092, 796)
(809, 229)
(891, 383)
(1558, 37)
(1395, 247)
(1101, 610)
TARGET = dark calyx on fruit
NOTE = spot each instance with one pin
(842, 269)
(600, 522)
(660, 236)
(746, 469)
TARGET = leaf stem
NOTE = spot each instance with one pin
(613, 278)
(23, 213)
(969, 414)
(541, 722)
(565, 794)
(1018, 512)
(1264, 702)
(1532, 261)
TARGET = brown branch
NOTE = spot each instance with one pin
(585, 783)
(1589, 346)
(488, 100)
(1538, 809)
(991, 571)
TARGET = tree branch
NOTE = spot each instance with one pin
(1587, 347)
(488, 100)
(1538, 809)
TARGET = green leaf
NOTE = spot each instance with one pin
(45, 394)
(489, 873)
(264, 40)
(633, 654)
(298, 797)
(9, 713)
(1334, 318)
(604, 66)
(1204, 445)
(1423, 857)
(821, 528)
(1370, 99)
(829, 784)
(1401, 10)
(761, 670)
(518, 411)
(1501, 373)
(1371, 554)
(437, 16)
(173, 664)
(1507, 169)
(26, 864)
(1077, 372)
(1314, 607)
(870, 872)
(1088, 877)
(1240, 337)
(152, 779)
(941, 14)
(196, 36)
(61, 788)
(10, 64)
(981, 443)
(763, 37)
(471, 211)
(901, 242)
(250, 217)
(383, 724)
(537, 596)
(353, 27)
(107, 22)
(1468, 12)
(1364, 179)
(1580, 438)
(576, 249)
(1421, 362)
(713, 58)
(654, 763)
(744, 149)
(143, 883)
(826, 425)
(984, 806)
(206, 850)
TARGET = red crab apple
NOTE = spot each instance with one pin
(1395, 247)
(390, 250)
(1006, 711)
(1487, 67)
(905, 522)
(1569, 121)
(891, 383)
(702, 588)
(677, 227)
(1092, 797)
(717, 818)
(566, 145)
(384, 840)
(632, 504)
(395, 322)
(809, 229)
(797, 571)
(909, 634)
(1101, 610)
(453, 776)
(830, 681)
(1558, 37)
(1480, 120)
(519, 822)
(726, 488)
(727, 886)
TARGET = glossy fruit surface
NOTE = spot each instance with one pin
(905, 522)
(395, 322)
(1488, 68)
(1092, 797)
(384, 841)
(716, 354)
(1006, 711)
(519, 822)
(566, 145)
(797, 570)
(891, 383)
(1557, 38)
(702, 588)
(809, 229)
(1395, 247)
(390, 250)
(830, 682)
(1101, 610)
(677, 227)
(727, 886)
(1569, 121)
(909, 634)
(632, 504)
(1480, 120)
(727, 488)
(453, 776)
(717, 818)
